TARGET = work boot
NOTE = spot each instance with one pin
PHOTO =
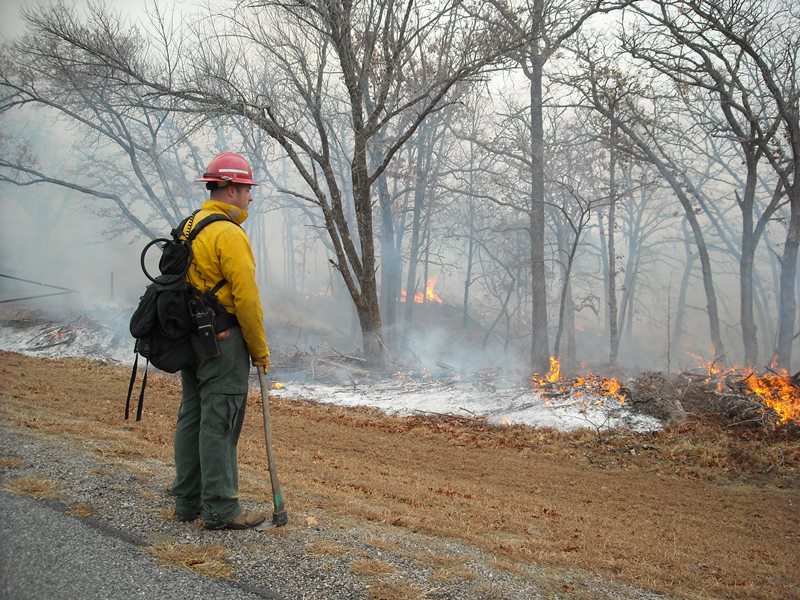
(244, 520)
(188, 516)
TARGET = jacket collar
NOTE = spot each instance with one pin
(236, 214)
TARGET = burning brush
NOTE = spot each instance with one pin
(429, 295)
(779, 391)
(583, 389)
(775, 390)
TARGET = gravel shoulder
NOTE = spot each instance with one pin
(47, 553)
(89, 538)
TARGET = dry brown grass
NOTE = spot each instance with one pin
(209, 561)
(81, 510)
(32, 486)
(122, 450)
(379, 542)
(507, 566)
(395, 590)
(8, 462)
(369, 566)
(327, 548)
(451, 574)
(696, 510)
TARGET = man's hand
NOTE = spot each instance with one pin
(262, 362)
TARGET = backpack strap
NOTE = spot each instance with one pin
(130, 385)
(177, 233)
(196, 230)
(141, 393)
(140, 404)
(201, 224)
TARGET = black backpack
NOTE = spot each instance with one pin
(171, 310)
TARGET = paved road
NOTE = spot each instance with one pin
(45, 553)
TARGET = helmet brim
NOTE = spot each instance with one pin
(238, 180)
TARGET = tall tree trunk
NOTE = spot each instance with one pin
(289, 271)
(366, 301)
(426, 269)
(540, 345)
(749, 331)
(391, 257)
(570, 358)
(613, 326)
(470, 259)
(629, 289)
(708, 279)
(635, 234)
(568, 250)
(391, 266)
(562, 306)
(766, 323)
(416, 226)
(471, 235)
(680, 309)
(787, 296)
(787, 310)
(604, 264)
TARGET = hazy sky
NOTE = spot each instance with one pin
(11, 23)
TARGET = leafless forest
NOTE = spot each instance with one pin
(607, 182)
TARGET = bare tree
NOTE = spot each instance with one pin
(712, 49)
(646, 134)
(130, 150)
(313, 75)
(644, 217)
(547, 25)
(574, 193)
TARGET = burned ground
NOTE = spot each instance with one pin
(700, 509)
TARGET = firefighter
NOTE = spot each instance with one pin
(215, 391)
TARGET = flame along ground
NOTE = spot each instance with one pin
(95, 337)
(779, 392)
(777, 389)
(584, 388)
(429, 295)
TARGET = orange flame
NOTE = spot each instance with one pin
(553, 375)
(582, 386)
(716, 372)
(429, 295)
(776, 390)
(613, 389)
(779, 393)
(277, 386)
(607, 387)
(555, 370)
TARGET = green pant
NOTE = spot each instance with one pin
(207, 433)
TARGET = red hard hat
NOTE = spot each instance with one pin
(230, 167)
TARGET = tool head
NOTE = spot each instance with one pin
(278, 520)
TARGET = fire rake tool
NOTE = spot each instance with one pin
(279, 518)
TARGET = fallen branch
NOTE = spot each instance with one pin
(349, 357)
(66, 340)
(342, 365)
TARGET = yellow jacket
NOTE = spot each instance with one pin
(222, 251)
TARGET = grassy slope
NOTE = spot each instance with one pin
(695, 511)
